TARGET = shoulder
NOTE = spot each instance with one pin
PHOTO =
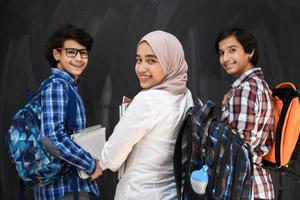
(150, 95)
(163, 100)
(252, 90)
(160, 97)
(145, 98)
(55, 86)
(255, 85)
(55, 82)
(251, 84)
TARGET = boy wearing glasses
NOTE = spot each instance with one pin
(67, 53)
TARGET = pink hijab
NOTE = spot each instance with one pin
(170, 55)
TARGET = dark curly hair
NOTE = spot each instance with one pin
(66, 32)
(244, 37)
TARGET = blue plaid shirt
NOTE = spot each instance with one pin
(53, 117)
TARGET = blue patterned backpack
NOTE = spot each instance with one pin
(34, 163)
(206, 140)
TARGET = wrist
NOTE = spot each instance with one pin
(93, 167)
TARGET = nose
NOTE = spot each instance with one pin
(225, 57)
(141, 67)
(78, 57)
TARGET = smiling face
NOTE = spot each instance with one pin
(233, 57)
(147, 67)
(73, 65)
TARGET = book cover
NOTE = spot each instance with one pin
(92, 140)
(124, 105)
(122, 108)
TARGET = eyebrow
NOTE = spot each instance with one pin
(231, 46)
(148, 56)
(74, 48)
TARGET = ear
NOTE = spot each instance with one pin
(56, 54)
(251, 54)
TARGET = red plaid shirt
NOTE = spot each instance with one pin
(248, 109)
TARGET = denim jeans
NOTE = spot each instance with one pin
(82, 196)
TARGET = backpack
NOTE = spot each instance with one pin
(204, 139)
(285, 149)
(286, 102)
(29, 152)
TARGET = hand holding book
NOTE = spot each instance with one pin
(92, 140)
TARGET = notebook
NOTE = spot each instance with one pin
(92, 140)
(122, 108)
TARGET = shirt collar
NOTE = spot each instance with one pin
(65, 75)
(248, 74)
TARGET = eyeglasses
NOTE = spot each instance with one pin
(72, 52)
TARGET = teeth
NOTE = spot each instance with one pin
(74, 65)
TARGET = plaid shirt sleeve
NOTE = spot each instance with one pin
(250, 114)
(54, 104)
(242, 111)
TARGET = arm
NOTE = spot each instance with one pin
(243, 111)
(135, 123)
(54, 104)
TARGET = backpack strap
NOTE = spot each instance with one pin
(71, 111)
(207, 110)
(286, 95)
(71, 106)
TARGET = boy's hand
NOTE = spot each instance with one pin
(97, 172)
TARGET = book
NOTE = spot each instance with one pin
(122, 108)
(92, 140)
(124, 105)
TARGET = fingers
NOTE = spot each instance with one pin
(97, 172)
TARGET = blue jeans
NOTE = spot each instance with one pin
(82, 196)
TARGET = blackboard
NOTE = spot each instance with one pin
(117, 26)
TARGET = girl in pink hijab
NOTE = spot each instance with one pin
(143, 141)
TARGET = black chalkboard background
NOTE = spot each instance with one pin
(117, 26)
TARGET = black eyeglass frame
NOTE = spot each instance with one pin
(81, 52)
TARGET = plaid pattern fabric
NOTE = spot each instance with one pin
(229, 162)
(53, 117)
(197, 118)
(248, 109)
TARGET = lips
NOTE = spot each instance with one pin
(228, 65)
(76, 66)
(144, 77)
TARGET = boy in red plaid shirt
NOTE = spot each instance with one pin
(247, 107)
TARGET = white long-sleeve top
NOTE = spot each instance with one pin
(145, 138)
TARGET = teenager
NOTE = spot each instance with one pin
(67, 52)
(247, 106)
(145, 136)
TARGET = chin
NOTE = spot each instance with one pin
(77, 73)
(230, 72)
(143, 86)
